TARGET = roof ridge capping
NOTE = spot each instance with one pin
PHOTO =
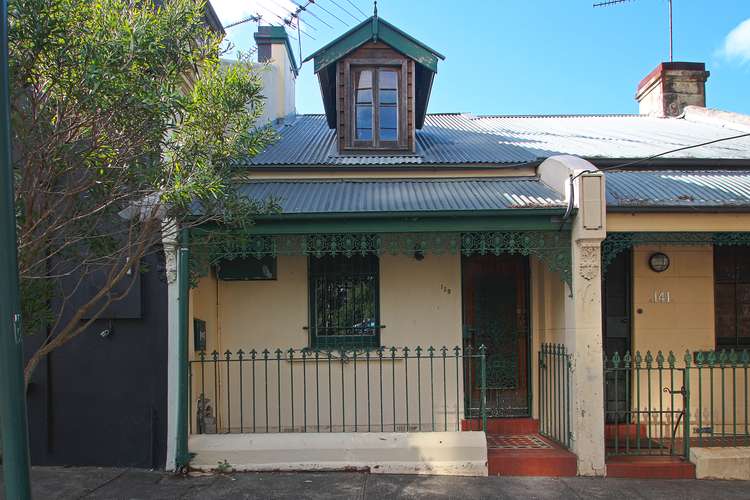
(713, 116)
(373, 21)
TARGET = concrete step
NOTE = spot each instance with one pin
(546, 459)
(645, 467)
(721, 463)
(503, 425)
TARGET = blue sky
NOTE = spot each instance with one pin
(535, 56)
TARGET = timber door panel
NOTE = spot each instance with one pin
(495, 314)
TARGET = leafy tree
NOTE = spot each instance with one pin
(124, 119)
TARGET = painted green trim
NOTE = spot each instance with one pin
(341, 47)
(277, 34)
(423, 214)
(408, 46)
(374, 29)
(182, 456)
(14, 428)
(406, 224)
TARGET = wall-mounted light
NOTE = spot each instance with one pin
(418, 252)
(658, 262)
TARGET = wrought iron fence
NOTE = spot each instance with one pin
(554, 393)
(304, 390)
(719, 382)
(663, 405)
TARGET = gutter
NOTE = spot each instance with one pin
(510, 212)
(401, 167)
(679, 209)
(674, 163)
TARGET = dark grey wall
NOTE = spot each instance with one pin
(102, 400)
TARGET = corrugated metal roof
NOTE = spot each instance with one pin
(702, 189)
(444, 139)
(459, 139)
(616, 136)
(423, 195)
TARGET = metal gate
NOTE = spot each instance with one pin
(646, 401)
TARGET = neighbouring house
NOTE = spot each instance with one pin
(102, 399)
(467, 294)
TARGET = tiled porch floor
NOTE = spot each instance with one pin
(517, 442)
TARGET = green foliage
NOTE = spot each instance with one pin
(123, 117)
(224, 467)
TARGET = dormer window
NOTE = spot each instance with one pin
(376, 107)
(375, 82)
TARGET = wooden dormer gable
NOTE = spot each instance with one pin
(375, 81)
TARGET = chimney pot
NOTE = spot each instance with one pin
(670, 87)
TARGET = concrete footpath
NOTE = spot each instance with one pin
(108, 483)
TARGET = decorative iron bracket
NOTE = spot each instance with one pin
(616, 243)
(551, 247)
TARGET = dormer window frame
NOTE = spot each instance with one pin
(354, 66)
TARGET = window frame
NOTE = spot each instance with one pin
(738, 342)
(352, 66)
(351, 341)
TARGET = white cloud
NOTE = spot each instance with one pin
(737, 43)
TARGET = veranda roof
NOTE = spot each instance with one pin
(402, 196)
(670, 189)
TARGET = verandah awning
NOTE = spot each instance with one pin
(406, 205)
(406, 195)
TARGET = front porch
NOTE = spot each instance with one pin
(676, 358)
(433, 347)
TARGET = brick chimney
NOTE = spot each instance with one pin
(275, 51)
(670, 87)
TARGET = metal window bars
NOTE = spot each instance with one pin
(313, 390)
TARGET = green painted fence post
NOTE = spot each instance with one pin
(483, 374)
(686, 419)
(182, 456)
(14, 426)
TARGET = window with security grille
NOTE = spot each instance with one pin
(732, 295)
(344, 302)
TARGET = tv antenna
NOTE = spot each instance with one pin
(609, 3)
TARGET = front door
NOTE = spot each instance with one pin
(617, 300)
(495, 314)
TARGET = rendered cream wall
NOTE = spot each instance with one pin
(266, 314)
(691, 222)
(547, 318)
(202, 305)
(420, 301)
(687, 322)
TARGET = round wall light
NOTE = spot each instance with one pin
(658, 262)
